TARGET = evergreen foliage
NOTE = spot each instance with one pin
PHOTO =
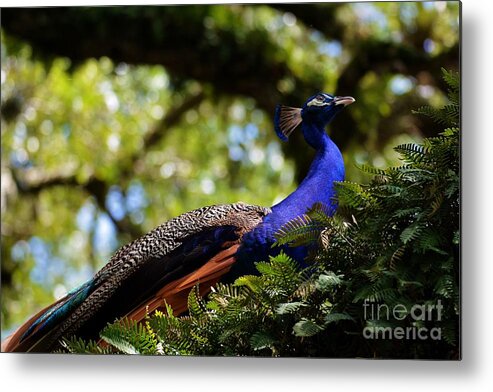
(386, 262)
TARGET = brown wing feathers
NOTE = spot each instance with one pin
(176, 293)
(158, 244)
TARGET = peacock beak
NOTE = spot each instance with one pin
(344, 100)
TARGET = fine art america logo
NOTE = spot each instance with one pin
(378, 315)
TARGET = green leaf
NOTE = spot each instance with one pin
(327, 281)
(253, 282)
(129, 337)
(289, 307)
(261, 340)
(335, 317)
(411, 232)
(306, 328)
(196, 305)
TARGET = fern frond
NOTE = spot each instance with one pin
(412, 153)
(354, 195)
(372, 170)
(76, 345)
(452, 79)
(289, 307)
(327, 281)
(321, 214)
(298, 231)
(262, 340)
(411, 232)
(253, 282)
(306, 328)
(196, 305)
(336, 317)
(396, 257)
(129, 337)
(446, 287)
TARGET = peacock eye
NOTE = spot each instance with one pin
(319, 100)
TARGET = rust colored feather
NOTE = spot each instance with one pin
(10, 343)
(176, 293)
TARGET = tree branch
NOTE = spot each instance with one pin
(156, 134)
(175, 37)
(34, 181)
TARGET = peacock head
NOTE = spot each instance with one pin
(319, 110)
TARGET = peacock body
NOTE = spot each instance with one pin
(204, 246)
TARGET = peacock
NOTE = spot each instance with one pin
(201, 247)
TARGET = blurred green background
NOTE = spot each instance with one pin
(115, 119)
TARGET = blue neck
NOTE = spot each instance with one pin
(327, 167)
(318, 186)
